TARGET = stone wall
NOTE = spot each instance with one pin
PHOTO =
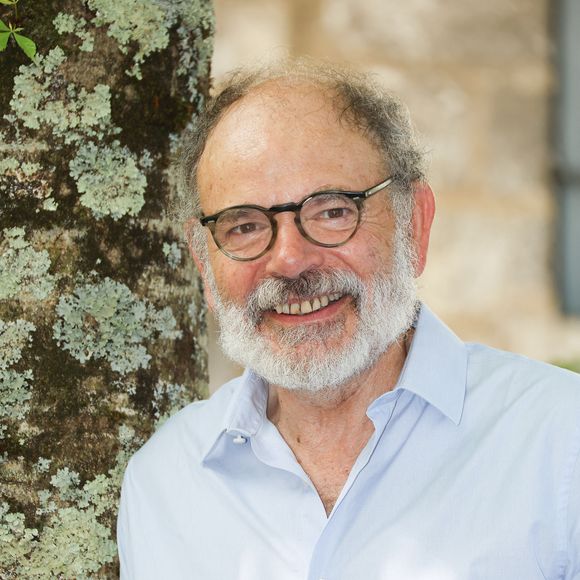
(479, 79)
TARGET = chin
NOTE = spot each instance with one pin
(288, 341)
(307, 364)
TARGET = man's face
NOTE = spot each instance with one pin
(277, 146)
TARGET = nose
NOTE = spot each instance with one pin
(292, 254)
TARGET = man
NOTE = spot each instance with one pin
(364, 440)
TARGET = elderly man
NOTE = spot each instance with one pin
(364, 440)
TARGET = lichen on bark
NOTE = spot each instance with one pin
(102, 328)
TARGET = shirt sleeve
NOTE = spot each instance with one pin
(124, 529)
(573, 516)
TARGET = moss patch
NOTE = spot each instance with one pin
(107, 321)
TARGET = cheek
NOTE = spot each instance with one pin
(371, 252)
(234, 281)
(377, 228)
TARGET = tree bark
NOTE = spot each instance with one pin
(102, 320)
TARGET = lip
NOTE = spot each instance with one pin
(321, 315)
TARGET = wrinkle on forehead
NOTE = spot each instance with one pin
(249, 126)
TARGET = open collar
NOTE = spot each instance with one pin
(245, 410)
(436, 366)
(435, 370)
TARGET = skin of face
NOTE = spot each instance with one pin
(278, 145)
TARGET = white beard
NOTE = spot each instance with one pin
(303, 357)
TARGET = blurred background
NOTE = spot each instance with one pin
(494, 90)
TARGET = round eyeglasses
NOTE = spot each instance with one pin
(326, 218)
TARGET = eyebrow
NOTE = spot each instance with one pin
(324, 188)
(246, 206)
(235, 212)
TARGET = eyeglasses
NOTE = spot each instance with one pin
(326, 218)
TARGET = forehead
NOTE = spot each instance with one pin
(281, 142)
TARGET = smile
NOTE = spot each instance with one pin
(307, 306)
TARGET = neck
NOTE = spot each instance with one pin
(303, 416)
(327, 431)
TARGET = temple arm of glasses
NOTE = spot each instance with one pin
(378, 187)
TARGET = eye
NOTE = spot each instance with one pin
(329, 209)
(243, 229)
(334, 213)
(246, 230)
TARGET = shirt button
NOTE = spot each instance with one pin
(239, 440)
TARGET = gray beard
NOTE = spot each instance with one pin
(304, 358)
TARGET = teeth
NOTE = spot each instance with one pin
(306, 306)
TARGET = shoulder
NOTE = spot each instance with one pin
(484, 359)
(510, 379)
(186, 436)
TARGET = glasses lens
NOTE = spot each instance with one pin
(329, 218)
(243, 233)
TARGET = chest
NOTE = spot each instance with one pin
(328, 472)
(387, 525)
(328, 462)
(428, 500)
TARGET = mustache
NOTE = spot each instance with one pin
(278, 290)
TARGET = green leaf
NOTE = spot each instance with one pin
(27, 45)
(3, 27)
(9, 2)
(4, 36)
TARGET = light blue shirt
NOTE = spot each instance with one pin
(472, 473)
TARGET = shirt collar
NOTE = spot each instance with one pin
(435, 369)
(247, 408)
(436, 366)
(244, 412)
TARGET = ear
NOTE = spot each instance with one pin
(423, 214)
(199, 262)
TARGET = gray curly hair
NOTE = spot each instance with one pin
(360, 102)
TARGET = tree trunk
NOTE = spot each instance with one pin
(102, 328)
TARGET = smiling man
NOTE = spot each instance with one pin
(364, 440)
